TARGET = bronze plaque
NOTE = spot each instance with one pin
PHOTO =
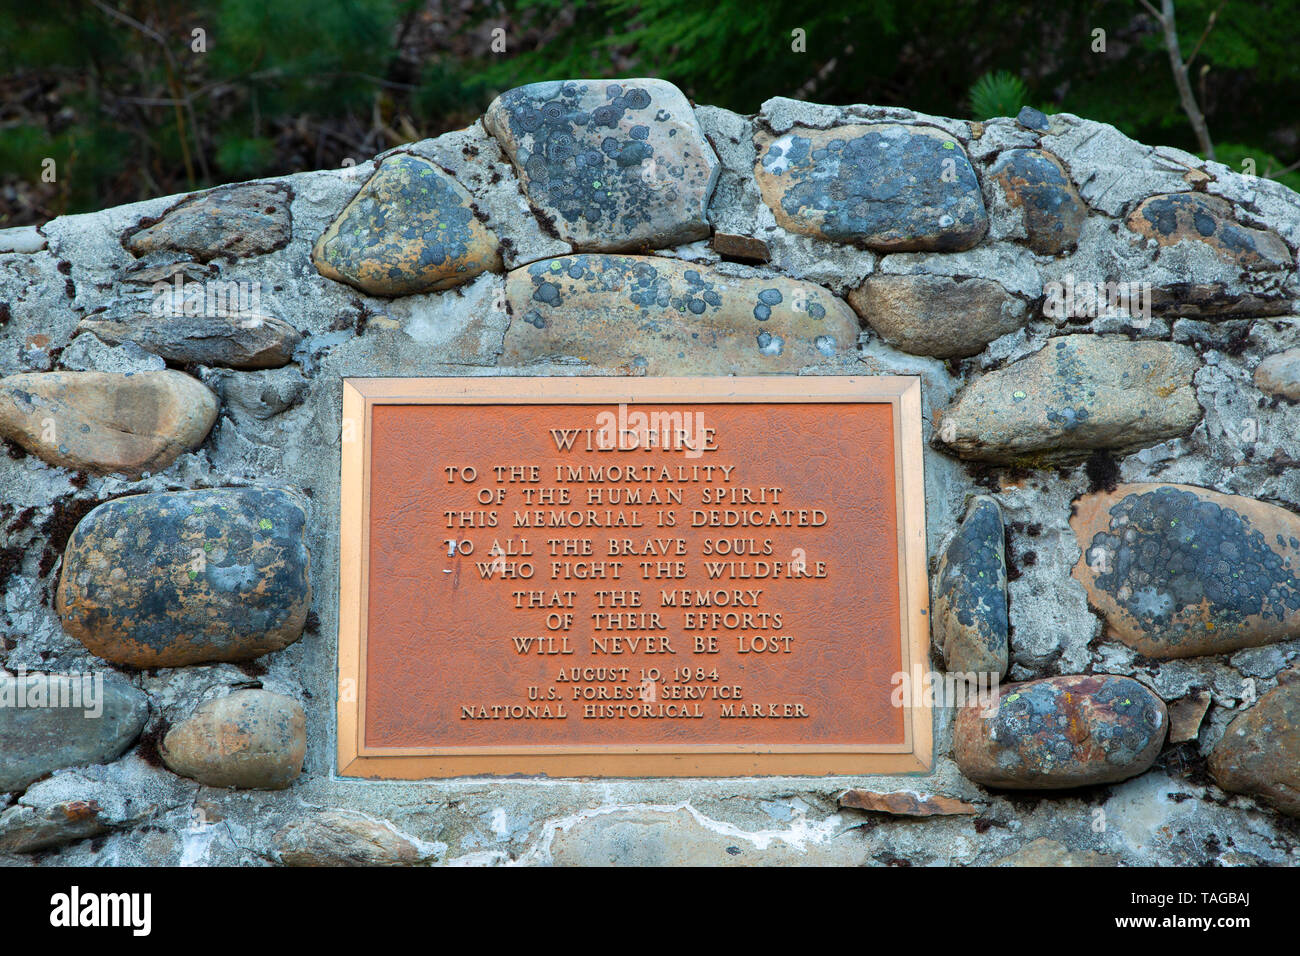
(632, 577)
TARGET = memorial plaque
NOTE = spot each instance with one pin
(632, 577)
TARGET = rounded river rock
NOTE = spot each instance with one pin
(411, 228)
(106, 422)
(1179, 571)
(1077, 393)
(187, 577)
(1061, 732)
(251, 740)
(886, 186)
(609, 164)
(50, 721)
(1260, 751)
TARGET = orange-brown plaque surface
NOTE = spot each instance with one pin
(631, 577)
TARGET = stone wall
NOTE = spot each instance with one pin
(1106, 339)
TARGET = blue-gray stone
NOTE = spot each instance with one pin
(886, 186)
(1030, 118)
(187, 577)
(1035, 182)
(48, 722)
(610, 165)
(970, 623)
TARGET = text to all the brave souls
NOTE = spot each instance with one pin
(640, 564)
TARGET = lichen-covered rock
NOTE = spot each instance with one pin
(411, 228)
(887, 186)
(1197, 217)
(50, 721)
(1279, 375)
(969, 611)
(232, 221)
(1077, 393)
(1061, 732)
(106, 422)
(1052, 212)
(251, 740)
(245, 341)
(669, 317)
(609, 164)
(1259, 753)
(348, 838)
(1179, 571)
(938, 315)
(185, 577)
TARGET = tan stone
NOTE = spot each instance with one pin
(666, 316)
(106, 422)
(1279, 374)
(938, 315)
(1185, 716)
(745, 248)
(1077, 393)
(1045, 852)
(348, 838)
(252, 739)
(1260, 751)
(680, 837)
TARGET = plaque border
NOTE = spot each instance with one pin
(361, 395)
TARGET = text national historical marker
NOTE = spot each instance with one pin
(632, 577)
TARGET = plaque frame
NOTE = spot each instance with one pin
(361, 395)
